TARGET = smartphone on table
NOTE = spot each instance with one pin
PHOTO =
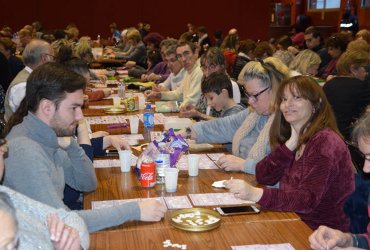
(238, 210)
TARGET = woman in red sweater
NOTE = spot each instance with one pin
(310, 160)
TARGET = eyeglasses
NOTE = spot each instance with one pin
(255, 96)
(365, 157)
(209, 67)
(171, 60)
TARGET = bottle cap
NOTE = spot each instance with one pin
(148, 106)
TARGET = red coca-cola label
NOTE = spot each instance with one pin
(147, 174)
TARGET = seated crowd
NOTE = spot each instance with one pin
(303, 142)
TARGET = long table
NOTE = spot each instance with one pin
(267, 227)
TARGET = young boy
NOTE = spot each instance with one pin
(218, 90)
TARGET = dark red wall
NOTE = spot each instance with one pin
(168, 17)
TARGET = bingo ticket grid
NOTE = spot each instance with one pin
(110, 163)
(112, 203)
(104, 106)
(216, 199)
(204, 163)
(132, 139)
(177, 202)
(132, 136)
(158, 118)
(215, 156)
(283, 246)
(106, 119)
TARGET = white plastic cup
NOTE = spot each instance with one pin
(116, 101)
(134, 124)
(125, 160)
(170, 179)
(97, 52)
(141, 102)
(193, 164)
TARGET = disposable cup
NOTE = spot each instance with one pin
(170, 177)
(193, 164)
(125, 160)
(117, 102)
(134, 124)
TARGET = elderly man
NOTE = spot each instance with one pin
(177, 71)
(189, 91)
(36, 53)
(45, 122)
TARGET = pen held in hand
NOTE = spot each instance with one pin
(118, 125)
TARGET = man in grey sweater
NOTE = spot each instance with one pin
(43, 156)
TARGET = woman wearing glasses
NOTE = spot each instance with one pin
(28, 224)
(310, 160)
(248, 130)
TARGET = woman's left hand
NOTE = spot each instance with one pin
(231, 163)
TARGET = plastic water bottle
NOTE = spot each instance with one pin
(121, 91)
(162, 161)
(148, 116)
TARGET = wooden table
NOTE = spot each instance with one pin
(267, 227)
(227, 235)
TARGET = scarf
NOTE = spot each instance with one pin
(258, 150)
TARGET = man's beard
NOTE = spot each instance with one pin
(61, 129)
(61, 132)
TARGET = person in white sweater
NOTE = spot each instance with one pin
(189, 91)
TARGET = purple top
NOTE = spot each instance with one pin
(160, 69)
(315, 186)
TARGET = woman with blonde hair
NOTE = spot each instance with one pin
(306, 62)
(248, 130)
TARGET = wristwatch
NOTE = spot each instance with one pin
(188, 132)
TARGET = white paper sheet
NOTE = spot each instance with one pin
(284, 246)
(216, 199)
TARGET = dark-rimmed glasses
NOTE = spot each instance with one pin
(254, 97)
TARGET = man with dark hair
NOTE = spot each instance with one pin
(218, 90)
(204, 41)
(314, 42)
(43, 157)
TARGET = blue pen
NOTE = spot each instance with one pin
(118, 125)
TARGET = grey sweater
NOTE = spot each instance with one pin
(32, 223)
(39, 168)
(222, 130)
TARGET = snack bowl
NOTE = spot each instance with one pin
(195, 219)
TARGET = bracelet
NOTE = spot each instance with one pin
(355, 240)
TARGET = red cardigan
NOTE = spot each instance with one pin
(315, 186)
